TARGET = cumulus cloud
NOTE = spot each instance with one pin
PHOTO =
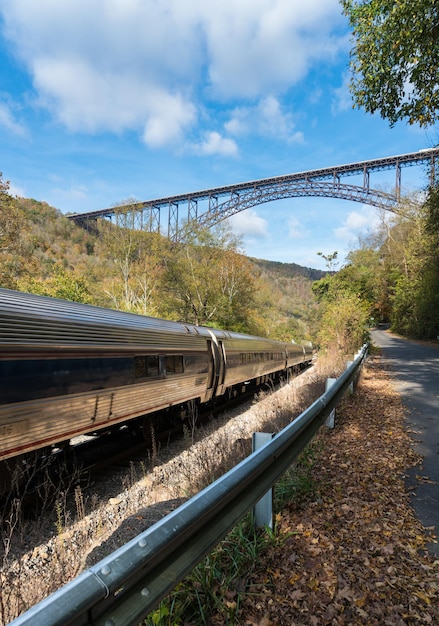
(255, 46)
(8, 121)
(295, 229)
(249, 224)
(357, 223)
(267, 119)
(214, 143)
(147, 65)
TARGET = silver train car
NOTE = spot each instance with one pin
(68, 369)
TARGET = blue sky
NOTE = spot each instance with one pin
(105, 100)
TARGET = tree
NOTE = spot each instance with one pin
(12, 227)
(207, 281)
(344, 324)
(415, 301)
(331, 260)
(62, 283)
(135, 262)
(395, 58)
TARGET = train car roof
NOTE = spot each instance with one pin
(44, 320)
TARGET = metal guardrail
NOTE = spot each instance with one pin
(129, 583)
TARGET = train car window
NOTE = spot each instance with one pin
(234, 360)
(174, 364)
(145, 366)
(152, 363)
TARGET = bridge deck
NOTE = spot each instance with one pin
(240, 196)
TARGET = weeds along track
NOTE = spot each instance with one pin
(77, 525)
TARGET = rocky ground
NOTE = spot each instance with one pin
(354, 553)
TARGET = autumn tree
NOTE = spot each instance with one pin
(395, 58)
(134, 262)
(12, 234)
(60, 283)
(345, 308)
(208, 282)
(415, 300)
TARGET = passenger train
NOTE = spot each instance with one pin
(68, 369)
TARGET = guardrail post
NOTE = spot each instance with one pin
(350, 389)
(263, 509)
(330, 420)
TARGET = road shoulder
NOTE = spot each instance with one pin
(355, 553)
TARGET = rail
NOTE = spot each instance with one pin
(129, 583)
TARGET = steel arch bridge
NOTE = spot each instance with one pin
(210, 206)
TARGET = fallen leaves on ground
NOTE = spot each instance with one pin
(356, 553)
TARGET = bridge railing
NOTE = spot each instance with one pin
(129, 583)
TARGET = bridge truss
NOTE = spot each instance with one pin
(211, 206)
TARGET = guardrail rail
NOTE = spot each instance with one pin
(128, 584)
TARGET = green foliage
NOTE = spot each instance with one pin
(432, 212)
(12, 229)
(392, 276)
(60, 284)
(284, 301)
(415, 298)
(395, 58)
(132, 266)
(213, 591)
(348, 301)
(207, 281)
(344, 324)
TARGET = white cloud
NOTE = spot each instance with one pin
(342, 98)
(214, 143)
(267, 119)
(169, 117)
(296, 230)
(357, 223)
(255, 46)
(249, 224)
(145, 65)
(8, 122)
(78, 192)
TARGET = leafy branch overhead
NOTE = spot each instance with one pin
(395, 58)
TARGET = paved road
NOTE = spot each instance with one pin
(415, 368)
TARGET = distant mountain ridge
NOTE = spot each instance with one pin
(288, 270)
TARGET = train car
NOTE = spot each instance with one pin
(68, 369)
(248, 358)
(297, 357)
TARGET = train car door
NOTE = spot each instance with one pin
(217, 366)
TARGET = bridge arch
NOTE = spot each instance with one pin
(223, 202)
(294, 189)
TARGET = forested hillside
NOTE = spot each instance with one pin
(391, 276)
(205, 281)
